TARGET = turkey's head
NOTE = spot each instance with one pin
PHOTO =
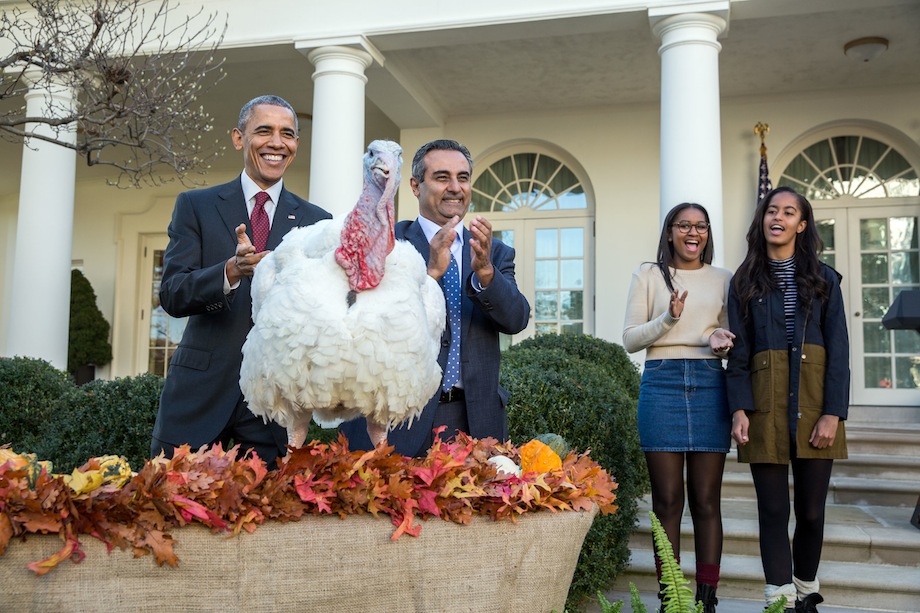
(367, 234)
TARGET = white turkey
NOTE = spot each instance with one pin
(346, 321)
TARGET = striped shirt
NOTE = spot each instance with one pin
(784, 273)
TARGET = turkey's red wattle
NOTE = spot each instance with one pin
(367, 235)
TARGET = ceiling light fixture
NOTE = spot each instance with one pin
(865, 49)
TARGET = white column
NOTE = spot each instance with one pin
(40, 300)
(337, 149)
(691, 147)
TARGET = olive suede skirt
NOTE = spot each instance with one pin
(683, 406)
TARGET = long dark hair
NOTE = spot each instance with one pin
(665, 258)
(753, 279)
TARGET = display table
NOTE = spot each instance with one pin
(318, 564)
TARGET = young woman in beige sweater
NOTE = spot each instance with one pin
(676, 311)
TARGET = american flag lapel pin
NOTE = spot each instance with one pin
(291, 216)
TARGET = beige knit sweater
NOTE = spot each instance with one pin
(649, 324)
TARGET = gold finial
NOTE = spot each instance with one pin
(762, 129)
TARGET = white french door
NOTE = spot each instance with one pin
(876, 250)
(158, 334)
(554, 270)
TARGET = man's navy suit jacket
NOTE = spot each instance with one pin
(498, 308)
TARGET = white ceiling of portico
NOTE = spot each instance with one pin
(583, 61)
(772, 46)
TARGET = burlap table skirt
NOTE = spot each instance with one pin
(318, 564)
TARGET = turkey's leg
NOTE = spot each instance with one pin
(297, 434)
(376, 432)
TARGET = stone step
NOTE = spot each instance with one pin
(894, 440)
(860, 415)
(871, 555)
(843, 584)
(726, 604)
(859, 534)
(842, 490)
(876, 466)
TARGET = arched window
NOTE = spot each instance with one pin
(533, 180)
(543, 208)
(862, 179)
(856, 166)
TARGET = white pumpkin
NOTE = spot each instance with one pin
(506, 465)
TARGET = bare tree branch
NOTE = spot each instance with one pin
(136, 68)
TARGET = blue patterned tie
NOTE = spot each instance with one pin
(452, 293)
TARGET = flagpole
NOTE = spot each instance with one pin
(763, 184)
(762, 129)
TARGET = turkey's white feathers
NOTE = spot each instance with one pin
(308, 351)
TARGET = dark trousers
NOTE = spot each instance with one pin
(243, 429)
(449, 414)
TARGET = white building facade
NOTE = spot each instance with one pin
(586, 123)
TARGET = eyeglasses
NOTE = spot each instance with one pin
(684, 226)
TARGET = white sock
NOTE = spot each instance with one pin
(772, 593)
(804, 588)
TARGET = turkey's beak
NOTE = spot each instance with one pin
(381, 171)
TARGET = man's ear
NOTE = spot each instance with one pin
(237, 137)
(414, 185)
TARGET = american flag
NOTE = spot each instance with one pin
(763, 185)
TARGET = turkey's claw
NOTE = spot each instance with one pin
(377, 433)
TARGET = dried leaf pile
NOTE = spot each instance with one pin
(227, 493)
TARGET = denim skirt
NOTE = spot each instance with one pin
(683, 406)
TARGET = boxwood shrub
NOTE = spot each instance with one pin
(31, 394)
(586, 390)
(43, 412)
(104, 418)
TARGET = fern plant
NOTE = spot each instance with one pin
(676, 597)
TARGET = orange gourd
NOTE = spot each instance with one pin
(537, 456)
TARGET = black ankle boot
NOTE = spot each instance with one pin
(707, 595)
(809, 604)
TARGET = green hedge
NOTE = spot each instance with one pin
(30, 393)
(43, 412)
(586, 390)
(103, 418)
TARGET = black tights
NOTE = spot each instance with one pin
(704, 494)
(810, 482)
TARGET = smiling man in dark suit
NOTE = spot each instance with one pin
(470, 399)
(207, 272)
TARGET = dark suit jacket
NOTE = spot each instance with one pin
(202, 388)
(498, 308)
